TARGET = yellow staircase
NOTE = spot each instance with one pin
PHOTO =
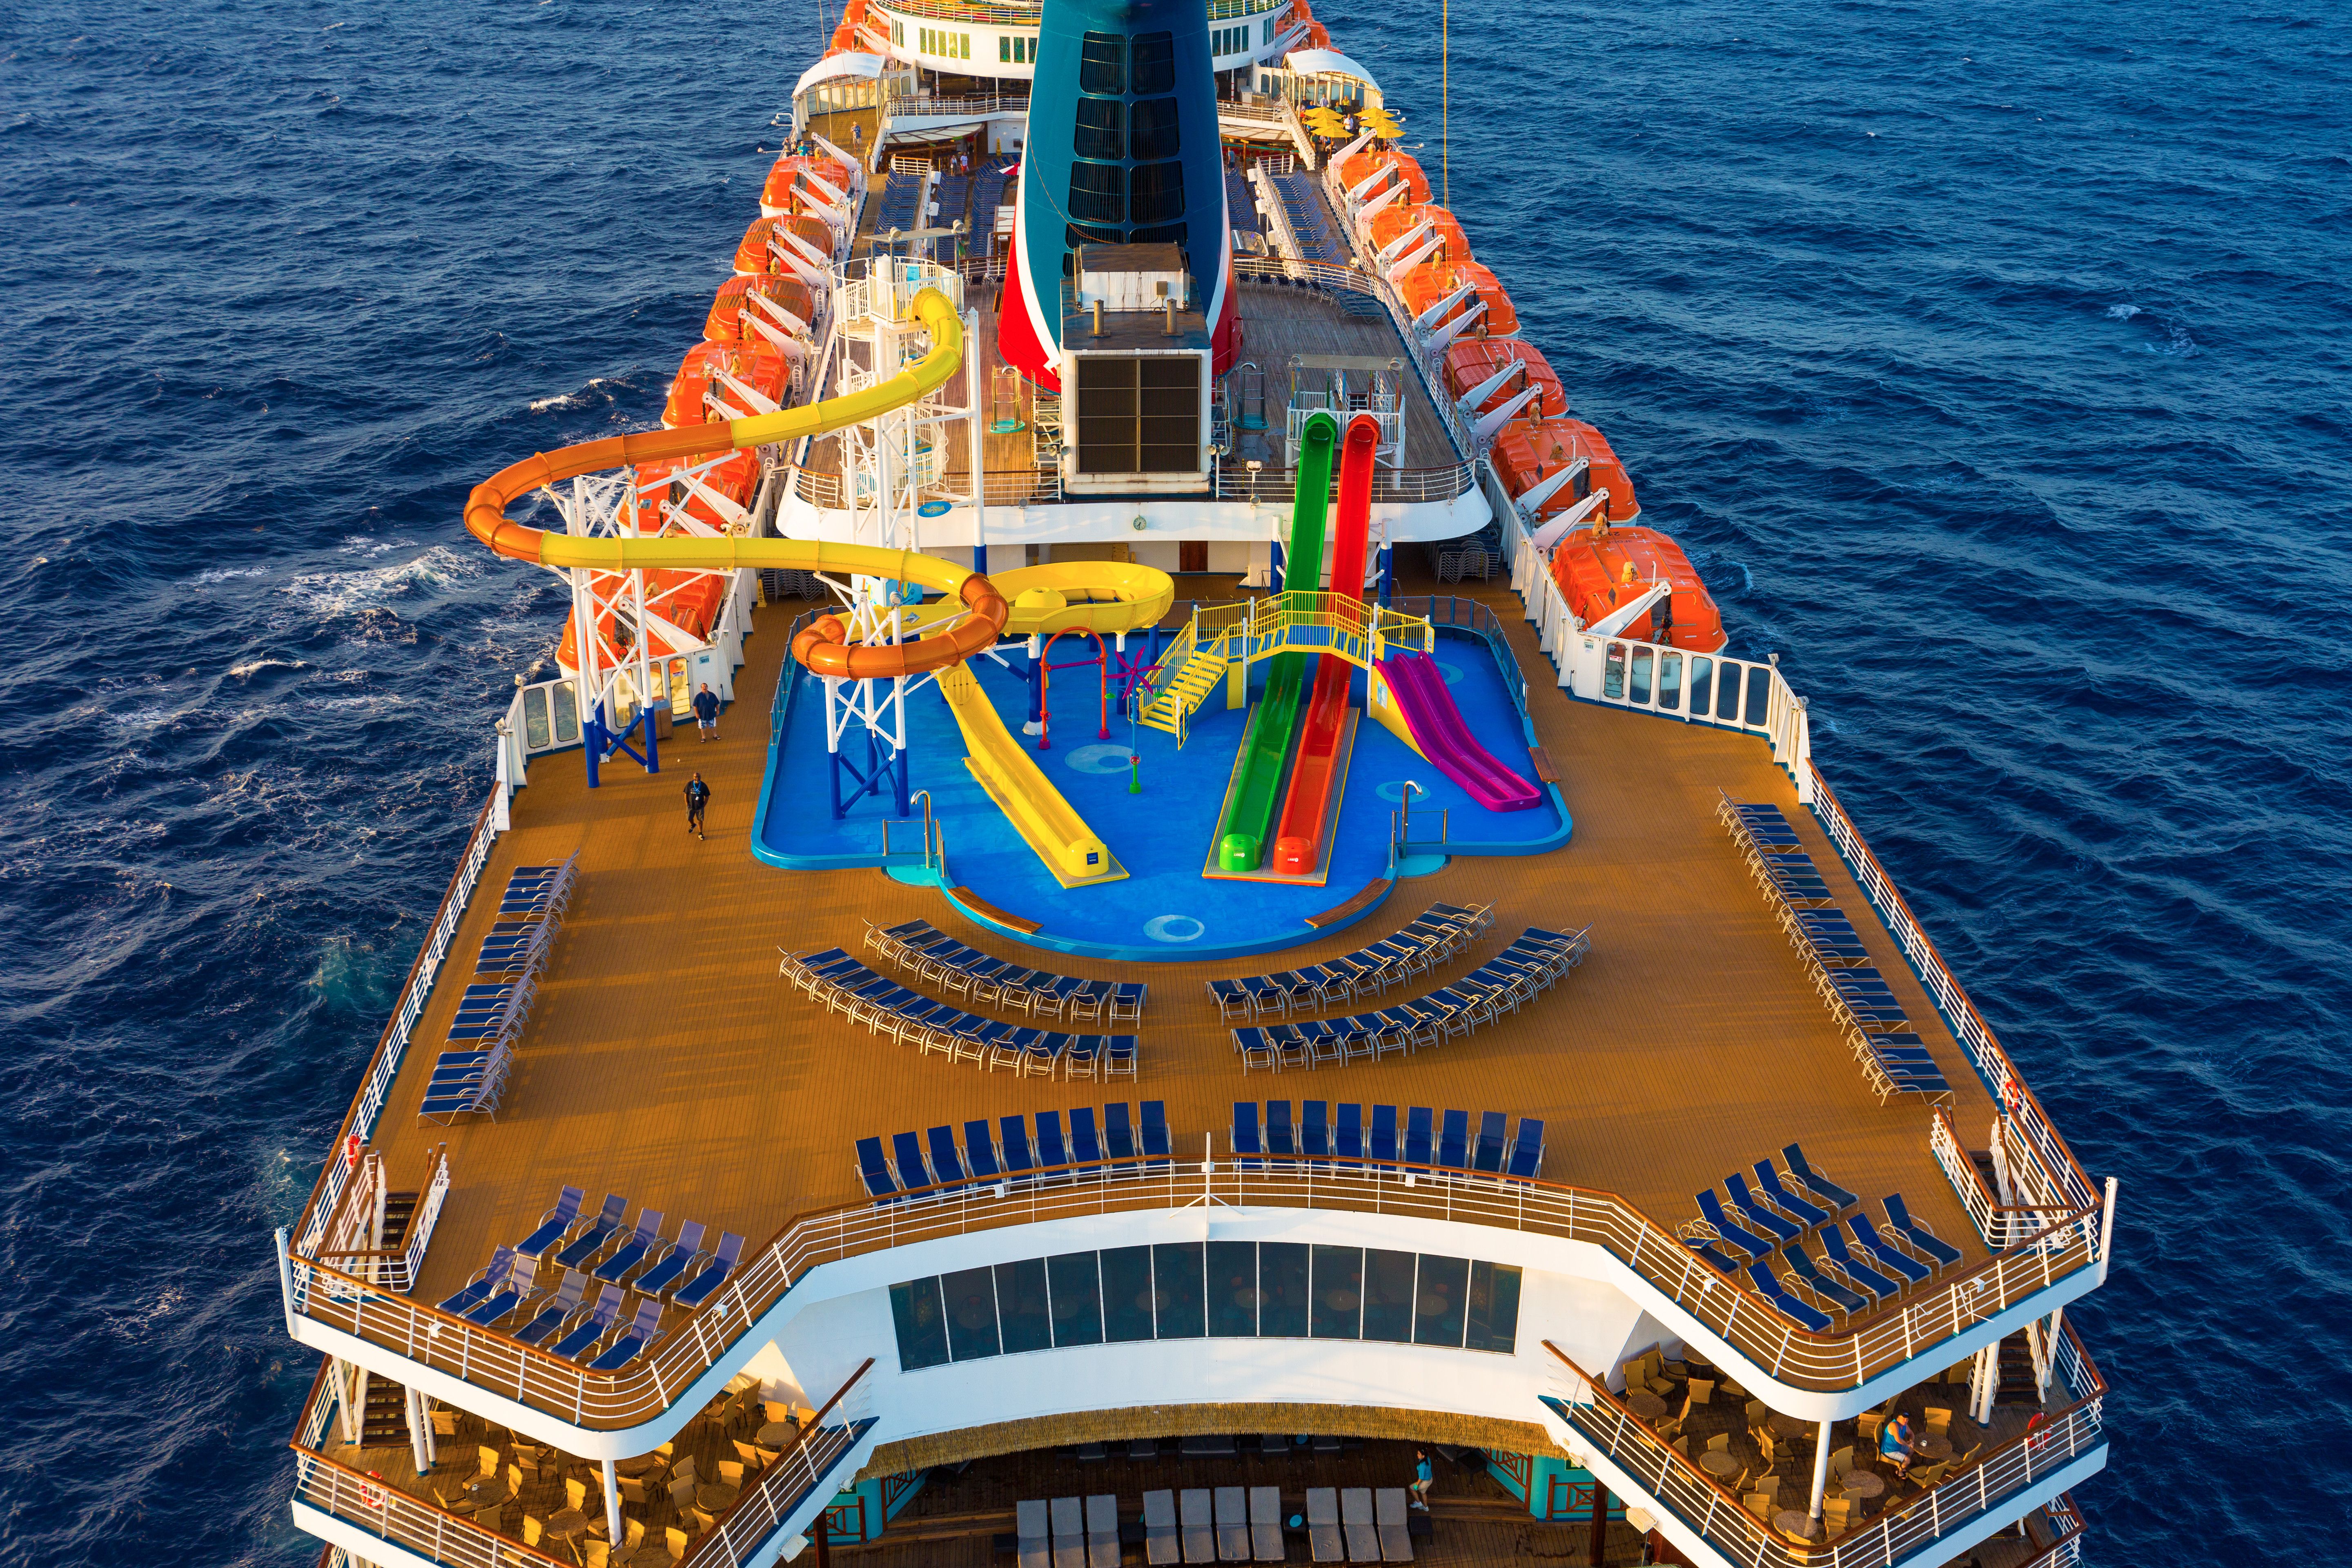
(1198, 672)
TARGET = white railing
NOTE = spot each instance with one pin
(382, 1510)
(369, 1105)
(1869, 1344)
(411, 1262)
(1715, 1513)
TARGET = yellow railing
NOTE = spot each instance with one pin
(1291, 621)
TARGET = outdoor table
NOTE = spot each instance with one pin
(1933, 1448)
(1865, 1484)
(1719, 1465)
(1645, 1404)
(714, 1496)
(1796, 1521)
(776, 1434)
(569, 1524)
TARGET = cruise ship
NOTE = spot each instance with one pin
(1147, 924)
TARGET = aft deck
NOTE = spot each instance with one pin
(665, 1060)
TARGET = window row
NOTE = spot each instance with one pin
(1148, 192)
(1192, 1290)
(1108, 128)
(1230, 40)
(1016, 51)
(944, 43)
(1107, 62)
(1269, 25)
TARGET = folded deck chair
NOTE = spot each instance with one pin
(1315, 1131)
(1102, 1531)
(980, 1152)
(1347, 1135)
(1032, 1534)
(1453, 1140)
(1418, 1144)
(1396, 1540)
(1265, 1524)
(1384, 1133)
(1487, 1153)
(1245, 1144)
(671, 1267)
(1233, 1525)
(1014, 1147)
(1200, 1537)
(1069, 1533)
(1159, 1542)
(1898, 1215)
(1119, 1135)
(705, 1285)
(1051, 1150)
(1356, 1521)
(1281, 1139)
(1323, 1525)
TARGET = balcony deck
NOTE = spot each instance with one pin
(666, 1061)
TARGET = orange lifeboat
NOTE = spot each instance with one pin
(752, 255)
(1600, 569)
(1317, 37)
(1399, 218)
(731, 321)
(788, 179)
(1471, 363)
(1528, 451)
(1364, 165)
(697, 397)
(1433, 279)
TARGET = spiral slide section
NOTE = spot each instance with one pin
(1315, 777)
(1444, 738)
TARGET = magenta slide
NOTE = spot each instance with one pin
(1436, 723)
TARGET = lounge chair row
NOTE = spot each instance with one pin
(1880, 1263)
(1425, 1140)
(559, 1321)
(467, 1082)
(935, 1165)
(1503, 984)
(470, 1078)
(677, 1269)
(530, 911)
(1443, 931)
(930, 954)
(1238, 1524)
(846, 987)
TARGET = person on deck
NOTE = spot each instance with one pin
(1421, 1478)
(697, 799)
(706, 712)
(1895, 1444)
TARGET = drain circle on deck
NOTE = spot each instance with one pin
(1174, 928)
(1099, 759)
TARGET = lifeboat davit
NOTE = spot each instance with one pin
(699, 397)
(1432, 281)
(1600, 568)
(1398, 219)
(766, 237)
(1364, 165)
(1472, 363)
(1528, 451)
(731, 321)
(681, 607)
(789, 181)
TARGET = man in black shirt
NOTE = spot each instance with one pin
(698, 796)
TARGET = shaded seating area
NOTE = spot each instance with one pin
(932, 956)
(843, 984)
(1442, 931)
(1893, 1060)
(1532, 963)
(1759, 1234)
(470, 1077)
(1064, 1146)
(1346, 1139)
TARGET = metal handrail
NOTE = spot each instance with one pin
(1869, 1344)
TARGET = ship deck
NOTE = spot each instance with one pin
(666, 1059)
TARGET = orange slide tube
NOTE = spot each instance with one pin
(823, 646)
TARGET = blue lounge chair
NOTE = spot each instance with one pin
(560, 1306)
(1247, 1146)
(482, 1285)
(1119, 1136)
(1453, 1140)
(1347, 1138)
(1119, 1053)
(632, 1250)
(1767, 1182)
(1281, 1142)
(1710, 1209)
(682, 1255)
(1822, 1285)
(1233, 998)
(1714, 1257)
(1086, 1144)
(1019, 1156)
(947, 1165)
(1856, 1272)
(591, 1241)
(874, 1170)
(1418, 1147)
(1745, 1207)
(590, 1329)
(907, 1160)
(1384, 1135)
(1486, 1154)
(1885, 1253)
(1051, 1150)
(1083, 1057)
(1254, 1046)
(980, 1152)
(703, 1286)
(1157, 1148)
(1044, 1053)
(507, 1296)
(1768, 1286)
(1127, 1002)
(1898, 1215)
(633, 1341)
(1527, 1150)
(1315, 1131)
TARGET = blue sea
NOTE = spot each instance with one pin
(1994, 362)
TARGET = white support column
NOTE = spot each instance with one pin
(419, 1439)
(2049, 1360)
(1986, 1384)
(611, 1505)
(1820, 1468)
(349, 1389)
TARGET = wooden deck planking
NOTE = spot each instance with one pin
(665, 1061)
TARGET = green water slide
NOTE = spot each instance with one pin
(1257, 792)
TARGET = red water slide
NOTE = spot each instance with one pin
(1299, 836)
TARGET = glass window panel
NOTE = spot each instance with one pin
(1164, 233)
(1282, 1289)
(1639, 689)
(534, 719)
(1021, 1306)
(1102, 64)
(1155, 62)
(1388, 1295)
(922, 1333)
(1338, 1291)
(1077, 1298)
(1177, 1287)
(1438, 1300)
(1158, 192)
(1127, 1293)
(1102, 130)
(1232, 1288)
(1702, 674)
(1759, 692)
(1494, 1317)
(972, 1313)
(1727, 694)
(1004, 51)
(1670, 680)
(1155, 129)
(1613, 671)
(1099, 191)
(567, 714)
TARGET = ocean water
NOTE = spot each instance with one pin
(1993, 365)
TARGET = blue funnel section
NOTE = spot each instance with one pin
(1122, 149)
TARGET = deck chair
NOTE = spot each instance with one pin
(591, 1240)
(1069, 1533)
(1200, 1539)
(1348, 1140)
(553, 1223)
(1160, 1542)
(1898, 1217)
(1419, 1142)
(560, 1306)
(1157, 1147)
(705, 1285)
(1453, 1140)
(1033, 1542)
(1246, 1146)
(1265, 1524)
(671, 1267)
(1356, 1521)
(1233, 1525)
(632, 1252)
(1526, 1160)
(1769, 1187)
(1102, 1531)
(586, 1330)
(483, 1285)
(1884, 1252)
(1323, 1525)
(632, 1343)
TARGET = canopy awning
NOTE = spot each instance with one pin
(849, 64)
(1326, 62)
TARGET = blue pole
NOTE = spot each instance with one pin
(653, 745)
(1274, 570)
(592, 743)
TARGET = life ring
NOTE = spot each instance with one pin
(352, 1144)
(2012, 1097)
(2037, 1432)
(371, 1496)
